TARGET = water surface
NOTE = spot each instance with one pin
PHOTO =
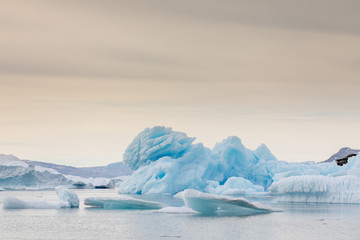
(296, 221)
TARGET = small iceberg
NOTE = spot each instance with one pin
(122, 202)
(15, 203)
(68, 196)
(210, 204)
(68, 199)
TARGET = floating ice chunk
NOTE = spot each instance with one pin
(67, 195)
(121, 202)
(210, 204)
(15, 203)
(343, 189)
(155, 143)
(68, 198)
(176, 210)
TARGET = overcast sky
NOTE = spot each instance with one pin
(80, 79)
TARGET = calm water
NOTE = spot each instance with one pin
(297, 221)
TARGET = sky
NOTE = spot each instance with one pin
(80, 79)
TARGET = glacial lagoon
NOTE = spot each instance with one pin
(295, 221)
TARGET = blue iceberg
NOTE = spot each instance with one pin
(167, 161)
(182, 165)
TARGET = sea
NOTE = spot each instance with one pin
(295, 221)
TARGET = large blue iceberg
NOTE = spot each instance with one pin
(169, 162)
(181, 164)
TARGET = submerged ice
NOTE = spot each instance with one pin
(166, 161)
(122, 202)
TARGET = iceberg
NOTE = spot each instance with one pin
(180, 165)
(68, 199)
(14, 177)
(211, 204)
(122, 202)
(166, 161)
(67, 195)
(15, 203)
(325, 189)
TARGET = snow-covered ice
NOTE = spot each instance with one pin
(121, 202)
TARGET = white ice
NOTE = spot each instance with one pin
(68, 199)
(15, 203)
(67, 195)
(342, 189)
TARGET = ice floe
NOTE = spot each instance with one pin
(122, 202)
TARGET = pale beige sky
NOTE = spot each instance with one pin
(80, 79)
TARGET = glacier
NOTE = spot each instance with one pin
(68, 199)
(167, 161)
(23, 174)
